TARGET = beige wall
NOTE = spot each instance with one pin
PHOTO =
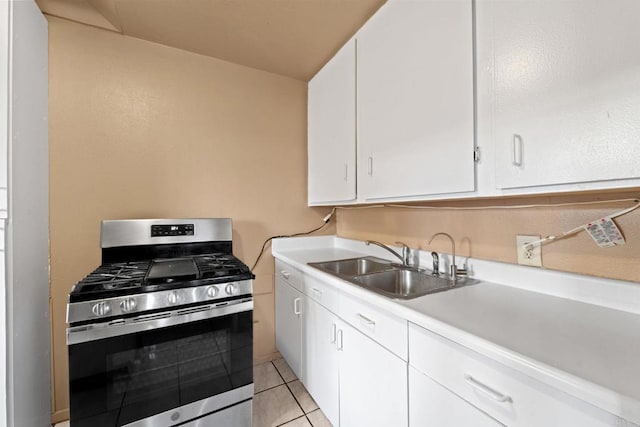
(141, 130)
(490, 234)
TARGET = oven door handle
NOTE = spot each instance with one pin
(114, 328)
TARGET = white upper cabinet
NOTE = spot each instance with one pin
(332, 130)
(564, 89)
(415, 100)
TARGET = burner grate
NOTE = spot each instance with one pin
(115, 276)
(124, 278)
(219, 265)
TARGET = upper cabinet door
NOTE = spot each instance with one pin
(415, 100)
(565, 89)
(332, 130)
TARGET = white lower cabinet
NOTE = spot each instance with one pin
(322, 363)
(351, 356)
(505, 394)
(430, 404)
(353, 379)
(288, 313)
(373, 382)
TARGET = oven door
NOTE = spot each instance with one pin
(161, 369)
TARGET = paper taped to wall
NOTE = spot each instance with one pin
(605, 232)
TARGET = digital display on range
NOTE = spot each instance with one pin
(172, 230)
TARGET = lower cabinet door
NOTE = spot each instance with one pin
(322, 361)
(289, 325)
(430, 404)
(373, 382)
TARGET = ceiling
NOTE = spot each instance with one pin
(294, 38)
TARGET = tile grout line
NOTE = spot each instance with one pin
(284, 382)
(308, 419)
(290, 392)
(278, 385)
(286, 422)
(296, 399)
(304, 413)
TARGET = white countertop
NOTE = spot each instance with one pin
(589, 351)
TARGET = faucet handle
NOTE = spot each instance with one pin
(406, 250)
(457, 272)
(407, 255)
(435, 270)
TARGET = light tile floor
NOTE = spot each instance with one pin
(280, 399)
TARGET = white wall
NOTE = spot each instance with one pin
(27, 226)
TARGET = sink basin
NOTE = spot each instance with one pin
(390, 280)
(353, 267)
(404, 284)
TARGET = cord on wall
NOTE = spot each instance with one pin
(326, 220)
(606, 236)
(603, 230)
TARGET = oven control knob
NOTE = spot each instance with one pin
(101, 309)
(212, 291)
(128, 305)
(174, 297)
(231, 289)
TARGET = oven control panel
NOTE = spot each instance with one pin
(172, 230)
(218, 294)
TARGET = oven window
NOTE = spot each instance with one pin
(119, 380)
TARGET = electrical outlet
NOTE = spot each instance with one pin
(528, 255)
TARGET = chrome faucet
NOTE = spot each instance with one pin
(405, 258)
(455, 271)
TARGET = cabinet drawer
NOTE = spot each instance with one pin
(289, 274)
(384, 328)
(430, 404)
(505, 394)
(324, 293)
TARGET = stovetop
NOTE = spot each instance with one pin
(127, 278)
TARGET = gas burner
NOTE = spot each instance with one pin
(126, 278)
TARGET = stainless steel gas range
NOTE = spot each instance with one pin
(161, 333)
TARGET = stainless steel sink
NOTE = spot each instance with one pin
(354, 266)
(404, 284)
(391, 280)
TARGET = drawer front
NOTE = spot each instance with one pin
(289, 274)
(430, 404)
(384, 328)
(323, 293)
(505, 394)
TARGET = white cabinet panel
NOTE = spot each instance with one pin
(289, 274)
(324, 293)
(430, 404)
(565, 88)
(322, 362)
(503, 393)
(415, 100)
(4, 104)
(383, 327)
(332, 129)
(289, 324)
(373, 383)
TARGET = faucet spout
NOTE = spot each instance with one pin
(455, 272)
(383, 246)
